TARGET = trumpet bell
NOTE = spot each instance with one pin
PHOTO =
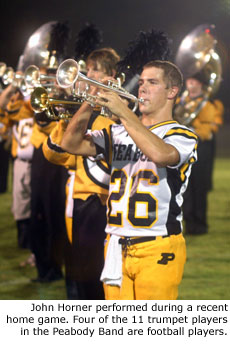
(8, 76)
(18, 78)
(24, 89)
(14, 78)
(67, 73)
(32, 76)
(197, 58)
(2, 68)
(193, 51)
(39, 99)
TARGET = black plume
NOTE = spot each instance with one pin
(59, 37)
(148, 46)
(87, 40)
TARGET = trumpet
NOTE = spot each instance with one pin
(8, 75)
(41, 101)
(15, 78)
(68, 73)
(33, 78)
(2, 68)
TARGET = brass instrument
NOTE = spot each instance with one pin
(40, 47)
(68, 73)
(15, 78)
(8, 76)
(33, 78)
(41, 101)
(197, 54)
(2, 68)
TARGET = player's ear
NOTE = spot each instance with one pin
(173, 91)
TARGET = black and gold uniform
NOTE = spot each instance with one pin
(19, 115)
(5, 140)
(47, 207)
(84, 261)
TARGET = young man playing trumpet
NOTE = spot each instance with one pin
(88, 192)
(150, 160)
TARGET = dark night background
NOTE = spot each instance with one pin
(121, 21)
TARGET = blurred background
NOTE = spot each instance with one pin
(120, 22)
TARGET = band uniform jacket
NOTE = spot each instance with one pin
(91, 176)
(209, 118)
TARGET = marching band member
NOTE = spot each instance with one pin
(84, 261)
(199, 110)
(47, 180)
(19, 115)
(5, 137)
(150, 160)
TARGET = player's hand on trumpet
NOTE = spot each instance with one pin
(111, 100)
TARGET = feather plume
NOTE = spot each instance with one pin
(87, 40)
(148, 46)
(59, 37)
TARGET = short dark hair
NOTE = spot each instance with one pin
(107, 58)
(172, 74)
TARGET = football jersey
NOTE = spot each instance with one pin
(145, 199)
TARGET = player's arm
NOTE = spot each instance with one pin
(151, 145)
(75, 140)
(51, 147)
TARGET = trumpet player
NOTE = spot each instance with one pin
(48, 180)
(5, 138)
(88, 191)
(19, 116)
(150, 160)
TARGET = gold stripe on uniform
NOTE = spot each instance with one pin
(181, 131)
(163, 124)
(184, 168)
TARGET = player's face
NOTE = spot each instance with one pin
(153, 89)
(95, 71)
(194, 85)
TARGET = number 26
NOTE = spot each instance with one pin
(136, 197)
